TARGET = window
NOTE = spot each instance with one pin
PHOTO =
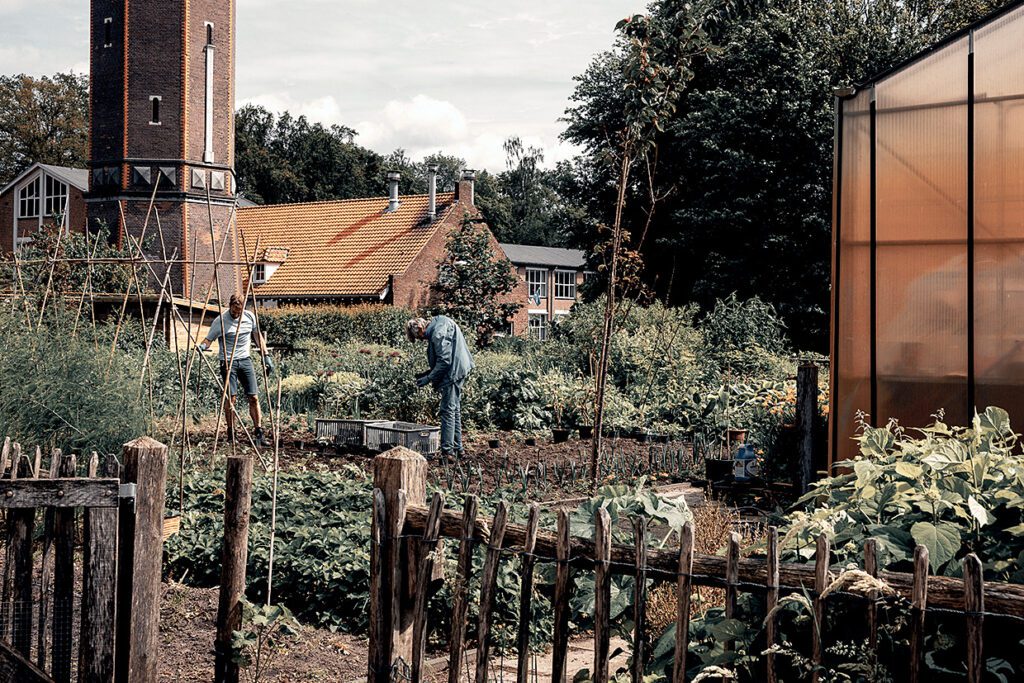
(565, 284)
(155, 101)
(537, 283)
(108, 32)
(539, 326)
(209, 33)
(56, 197)
(259, 273)
(28, 200)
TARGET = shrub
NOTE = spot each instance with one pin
(60, 390)
(367, 323)
(745, 337)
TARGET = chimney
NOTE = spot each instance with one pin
(432, 189)
(393, 203)
(464, 188)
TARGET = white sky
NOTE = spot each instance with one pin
(453, 76)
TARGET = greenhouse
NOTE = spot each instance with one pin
(928, 236)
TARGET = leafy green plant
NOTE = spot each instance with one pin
(264, 629)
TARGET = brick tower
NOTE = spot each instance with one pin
(162, 118)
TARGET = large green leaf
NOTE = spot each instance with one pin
(942, 541)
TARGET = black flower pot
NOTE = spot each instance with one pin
(586, 431)
(493, 443)
(560, 435)
(530, 441)
(718, 470)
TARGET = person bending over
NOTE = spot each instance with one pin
(450, 363)
(233, 331)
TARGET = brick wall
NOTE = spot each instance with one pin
(106, 81)
(154, 69)
(6, 222)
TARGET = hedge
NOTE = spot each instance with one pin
(368, 323)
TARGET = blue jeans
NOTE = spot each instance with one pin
(451, 418)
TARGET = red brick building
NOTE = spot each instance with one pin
(553, 278)
(357, 250)
(162, 126)
(42, 195)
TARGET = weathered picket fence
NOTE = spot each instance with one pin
(403, 565)
(121, 535)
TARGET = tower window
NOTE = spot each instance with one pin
(108, 32)
(209, 33)
(155, 102)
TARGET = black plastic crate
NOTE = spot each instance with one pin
(420, 438)
(348, 433)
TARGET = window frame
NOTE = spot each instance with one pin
(155, 113)
(50, 198)
(542, 284)
(570, 286)
(259, 273)
(25, 200)
(108, 32)
(537, 332)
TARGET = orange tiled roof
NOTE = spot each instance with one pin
(340, 248)
(275, 254)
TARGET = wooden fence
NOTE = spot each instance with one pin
(121, 531)
(405, 532)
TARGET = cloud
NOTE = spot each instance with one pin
(415, 123)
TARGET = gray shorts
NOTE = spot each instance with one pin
(242, 372)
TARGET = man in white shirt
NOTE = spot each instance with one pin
(234, 331)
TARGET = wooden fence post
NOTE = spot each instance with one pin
(771, 600)
(806, 422)
(401, 474)
(602, 592)
(919, 603)
(563, 589)
(140, 553)
(974, 607)
(640, 600)
(683, 602)
(488, 583)
(525, 597)
(99, 573)
(460, 600)
(821, 560)
(234, 555)
(63, 584)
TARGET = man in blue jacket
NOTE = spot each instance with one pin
(450, 364)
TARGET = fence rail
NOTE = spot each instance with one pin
(407, 522)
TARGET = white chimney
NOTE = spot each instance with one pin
(432, 190)
(393, 203)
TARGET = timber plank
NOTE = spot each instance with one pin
(63, 492)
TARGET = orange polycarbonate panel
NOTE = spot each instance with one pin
(852, 392)
(921, 239)
(999, 216)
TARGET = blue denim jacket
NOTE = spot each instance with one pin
(447, 352)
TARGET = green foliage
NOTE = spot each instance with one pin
(955, 490)
(265, 630)
(745, 338)
(43, 120)
(64, 390)
(472, 281)
(366, 323)
(71, 277)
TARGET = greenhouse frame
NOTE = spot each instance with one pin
(928, 237)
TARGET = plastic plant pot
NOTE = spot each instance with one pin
(586, 431)
(493, 443)
(530, 441)
(560, 435)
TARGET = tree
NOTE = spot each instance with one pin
(471, 280)
(282, 159)
(43, 120)
(744, 164)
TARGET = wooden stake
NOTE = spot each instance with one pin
(234, 555)
(140, 553)
(99, 583)
(640, 600)
(460, 599)
(63, 582)
(974, 608)
(426, 570)
(488, 582)
(683, 602)
(602, 592)
(23, 523)
(377, 663)
(821, 559)
(563, 588)
(871, 568)
(526, 596)
(732, 576)
(772, 599)
(919, 603)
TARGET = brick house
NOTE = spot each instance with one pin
(378, 249)
(43, 195)
(553, 277)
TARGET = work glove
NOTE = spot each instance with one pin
(422, 381)
(268, 363)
